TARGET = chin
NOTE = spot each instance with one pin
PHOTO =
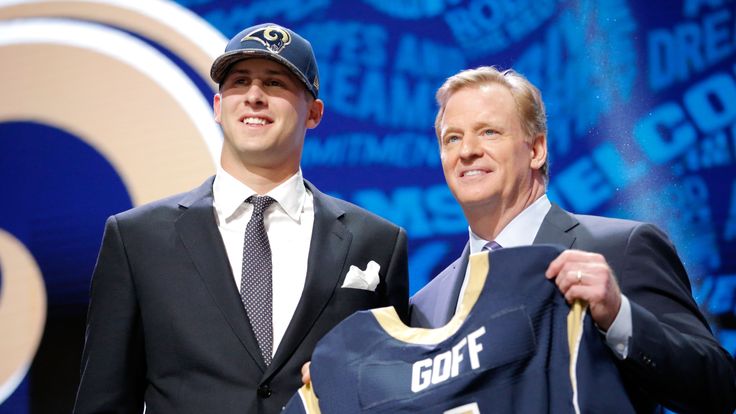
(472, 200)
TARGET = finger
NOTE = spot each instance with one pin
(568, 278)
(579, 274)
(595, 294)
(565, 258)
(594, 275)
(576, 292)
(556, 265)
(306, 377)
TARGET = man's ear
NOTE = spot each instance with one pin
(539, 151)
(217, 107)
(316, 110)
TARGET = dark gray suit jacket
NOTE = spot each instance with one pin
(673, 358)
(166, 324)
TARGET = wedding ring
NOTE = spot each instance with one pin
(579, 276)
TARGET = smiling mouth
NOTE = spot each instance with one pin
(252, 120)
(473, 173)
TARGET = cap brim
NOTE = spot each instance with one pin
(221, 65)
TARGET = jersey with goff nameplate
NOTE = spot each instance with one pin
(513, 346)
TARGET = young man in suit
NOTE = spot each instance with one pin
(212, 300)
(491, 128)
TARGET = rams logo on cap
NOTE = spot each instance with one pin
(275, 38)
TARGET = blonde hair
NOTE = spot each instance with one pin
(529, 104)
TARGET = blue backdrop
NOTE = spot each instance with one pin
(641, 100)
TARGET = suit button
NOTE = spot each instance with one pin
(264, 391)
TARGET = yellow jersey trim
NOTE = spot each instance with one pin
(310, 402)
(574, 335)
(392, 324)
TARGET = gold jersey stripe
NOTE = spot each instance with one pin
(574, 335)
(309, 399)
(390, 322)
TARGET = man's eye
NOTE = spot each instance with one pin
(274, 82)
(452, 138)
(489, 132)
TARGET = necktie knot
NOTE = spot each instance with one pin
(260, 203)
(492, 246)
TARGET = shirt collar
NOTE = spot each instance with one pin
(291, 195)
(230, 194)
(521, 231)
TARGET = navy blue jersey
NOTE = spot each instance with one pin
(514, 346)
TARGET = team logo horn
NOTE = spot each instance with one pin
(275, 38)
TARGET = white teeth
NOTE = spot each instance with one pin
(253, 120)
(472, 172)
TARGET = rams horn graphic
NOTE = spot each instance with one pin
(273, 37)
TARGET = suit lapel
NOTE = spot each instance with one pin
(197, 229)
(327, 254)
(556, 228)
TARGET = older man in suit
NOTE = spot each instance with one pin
(492, 134)
(212, 300)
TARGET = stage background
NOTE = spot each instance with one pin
(106, 104)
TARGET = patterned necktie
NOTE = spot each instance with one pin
(256, 289)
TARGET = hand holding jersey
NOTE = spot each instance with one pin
(587, 276)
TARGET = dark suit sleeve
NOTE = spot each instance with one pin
(397, 277)
(673, 356)
(113, 364)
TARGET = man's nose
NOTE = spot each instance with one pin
(255, 96)
(470, 147)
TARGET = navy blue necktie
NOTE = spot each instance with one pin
(256, 290)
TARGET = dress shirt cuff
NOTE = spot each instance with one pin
(620, 331)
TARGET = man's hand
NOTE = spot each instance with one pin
(306, 378)
(587, 276)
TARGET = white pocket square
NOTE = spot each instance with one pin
(363, 279)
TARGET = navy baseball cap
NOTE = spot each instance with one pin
(270, 41)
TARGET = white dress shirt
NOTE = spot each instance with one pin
(288, 222)
(522, 231)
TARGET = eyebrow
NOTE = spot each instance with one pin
(449, 129)
(478, 125)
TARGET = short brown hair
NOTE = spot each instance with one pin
(528, 99)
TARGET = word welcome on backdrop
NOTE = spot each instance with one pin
(107, 105)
